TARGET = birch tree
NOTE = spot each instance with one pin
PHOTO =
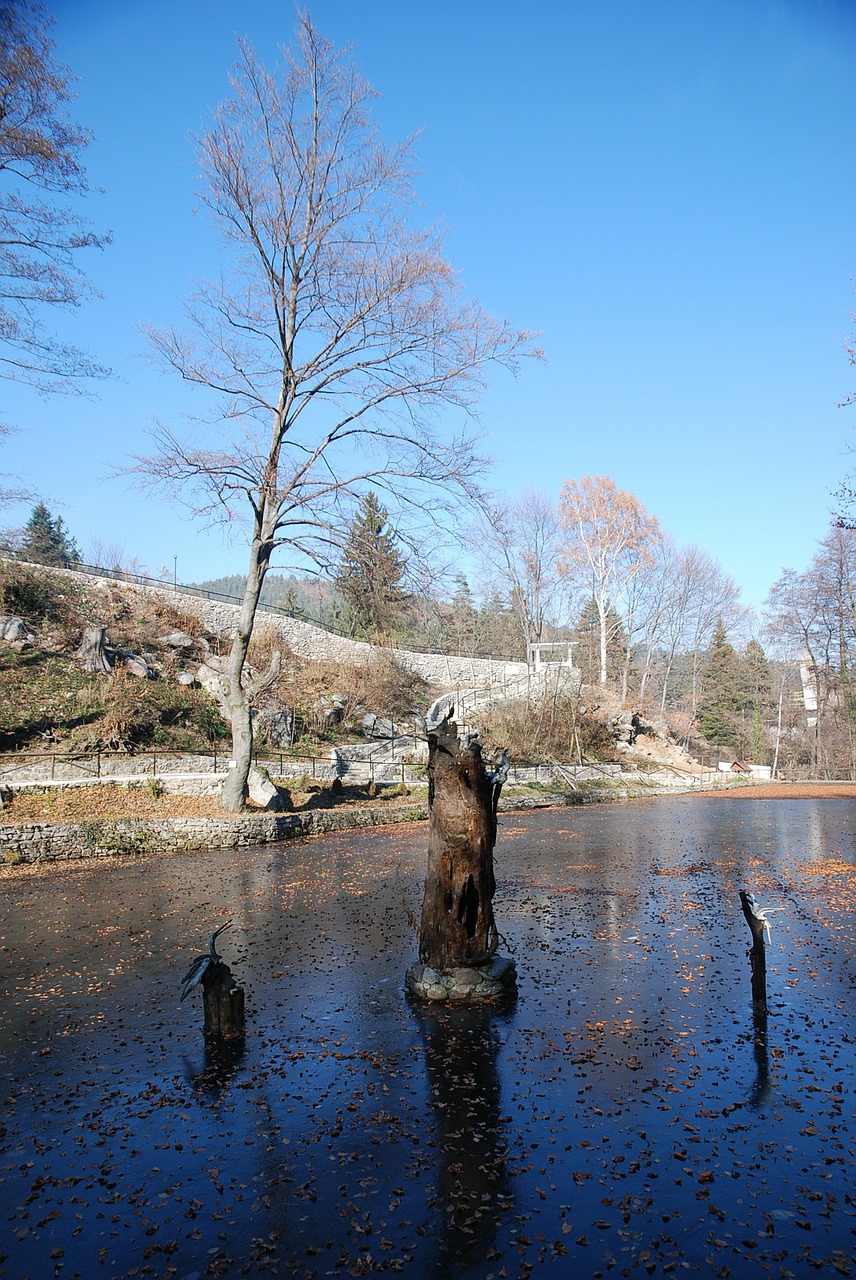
(327, 343)
(609, 541)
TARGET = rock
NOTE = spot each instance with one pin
(263, 791)
(378, 727)
(14, 630)
(178, 640)
(138, 667)
(186, 678)
(210, 678)
(329, 710)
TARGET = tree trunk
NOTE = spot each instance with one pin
(234, 794)
(457, 926)
(92, 653)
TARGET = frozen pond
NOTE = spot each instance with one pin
(625, 1114)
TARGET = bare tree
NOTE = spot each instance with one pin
(813, 617)
(700, 594)
(332, 334)
(41, 233)
(610, 536)
(520, 548)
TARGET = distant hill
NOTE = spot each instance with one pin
(308, 598)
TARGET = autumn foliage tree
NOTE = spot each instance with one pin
(609, 540)
(333, 332)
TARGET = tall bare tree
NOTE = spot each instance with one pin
(520, 547)
(813, 616)
(610, 537)
(331, 336)
(41, 233)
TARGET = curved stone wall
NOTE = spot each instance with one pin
(308, 641)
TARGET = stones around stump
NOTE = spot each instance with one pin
(498, 977)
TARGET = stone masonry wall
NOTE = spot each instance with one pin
(308, 641)
(62, 842)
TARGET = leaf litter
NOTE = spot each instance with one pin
(627, 1114)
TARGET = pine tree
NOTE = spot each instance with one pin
(755, 676)
(371, 571)
(47, 541)
(721, 698)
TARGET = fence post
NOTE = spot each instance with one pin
(313, 768)
(402, 773)
(98, 764)
(53, 765)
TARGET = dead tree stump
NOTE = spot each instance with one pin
(223, 1002)
(92, 652)
(458, 937)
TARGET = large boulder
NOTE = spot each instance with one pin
(263, 791)
(378, 727)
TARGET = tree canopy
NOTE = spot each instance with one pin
(371, 571)
(41, 232)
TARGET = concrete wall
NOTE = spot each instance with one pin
(308, 641)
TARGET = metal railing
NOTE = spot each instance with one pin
(204, 593)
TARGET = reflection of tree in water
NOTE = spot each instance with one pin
(473, 1187)
(762, 1089)
(220, 1062)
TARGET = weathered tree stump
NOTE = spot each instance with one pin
(92, 652)
(758, 952)
(458, 937)
(223, 1002)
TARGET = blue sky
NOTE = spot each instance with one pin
(666, 192)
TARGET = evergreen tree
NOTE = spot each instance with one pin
(47, 541)
(462, 632)
(371, 571)
(721, 694)
(755, 676)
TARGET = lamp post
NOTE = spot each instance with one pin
(175, 573)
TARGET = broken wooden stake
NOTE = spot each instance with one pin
(759, 927)
(223, 1002)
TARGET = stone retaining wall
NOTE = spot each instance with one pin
(309, 641)
(62, 842)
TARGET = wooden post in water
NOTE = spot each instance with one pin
(758, 952)
(223, 1002)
